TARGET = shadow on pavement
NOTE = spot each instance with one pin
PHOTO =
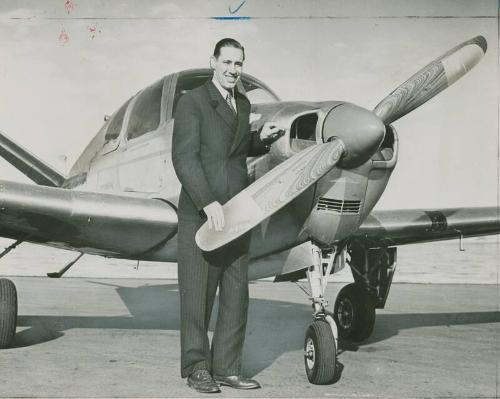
(274, 327)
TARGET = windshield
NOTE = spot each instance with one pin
(257, 93)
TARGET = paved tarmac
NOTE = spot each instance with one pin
(83, 337)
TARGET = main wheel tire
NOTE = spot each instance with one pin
(320, 353)
(354, 313)
(8, 312)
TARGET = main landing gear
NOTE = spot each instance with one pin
(8, 301)
(354, 311)
(8, 305)
(8, 312)
(372, 270)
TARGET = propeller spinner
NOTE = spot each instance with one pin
(360, 130)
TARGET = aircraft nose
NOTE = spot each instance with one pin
(360, 130)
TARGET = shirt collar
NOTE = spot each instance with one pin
(221, 89)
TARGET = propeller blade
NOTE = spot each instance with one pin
(431, 80)
(271, 192)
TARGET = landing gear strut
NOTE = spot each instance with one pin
(321, 341)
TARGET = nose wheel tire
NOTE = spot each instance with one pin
(8, 312)
(354, 313)
(320, 353)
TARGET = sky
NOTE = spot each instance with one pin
(65, 64)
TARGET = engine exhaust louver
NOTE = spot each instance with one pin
(338, 206)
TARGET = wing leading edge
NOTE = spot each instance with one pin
(386, 228)
(104, 224)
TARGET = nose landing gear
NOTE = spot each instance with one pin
(320, 353)
(321, 340)
(354, 313)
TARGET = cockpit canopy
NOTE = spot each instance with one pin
(148, 105)
(256, 91)
(145, 112)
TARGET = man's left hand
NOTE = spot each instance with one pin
(270, 132)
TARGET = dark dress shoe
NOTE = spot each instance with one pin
(202, 381)
(237, 382)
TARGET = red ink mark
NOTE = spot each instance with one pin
(93, 30)
(69, 6)
(63, 37)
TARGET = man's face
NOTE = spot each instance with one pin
(227, 66)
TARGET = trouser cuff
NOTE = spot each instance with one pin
(188, 370)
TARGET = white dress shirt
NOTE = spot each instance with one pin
(224, 92)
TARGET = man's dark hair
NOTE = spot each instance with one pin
(227, 42)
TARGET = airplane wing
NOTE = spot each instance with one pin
(398, 227)
(96, 223)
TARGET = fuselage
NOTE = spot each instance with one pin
(131, 155)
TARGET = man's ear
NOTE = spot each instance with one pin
(212, 62)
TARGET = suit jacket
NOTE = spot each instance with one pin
(209, 149)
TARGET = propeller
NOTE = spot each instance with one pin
(431, 80)
(352, 134)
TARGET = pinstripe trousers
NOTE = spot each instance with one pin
(200, 274)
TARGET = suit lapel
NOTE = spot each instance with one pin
(221, 106)
(243, 107)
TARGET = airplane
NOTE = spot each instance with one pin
(309, 205)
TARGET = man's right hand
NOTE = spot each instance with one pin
(215, 216)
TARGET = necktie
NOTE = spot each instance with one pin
(229, 102)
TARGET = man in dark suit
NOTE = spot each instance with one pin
(211, 142)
